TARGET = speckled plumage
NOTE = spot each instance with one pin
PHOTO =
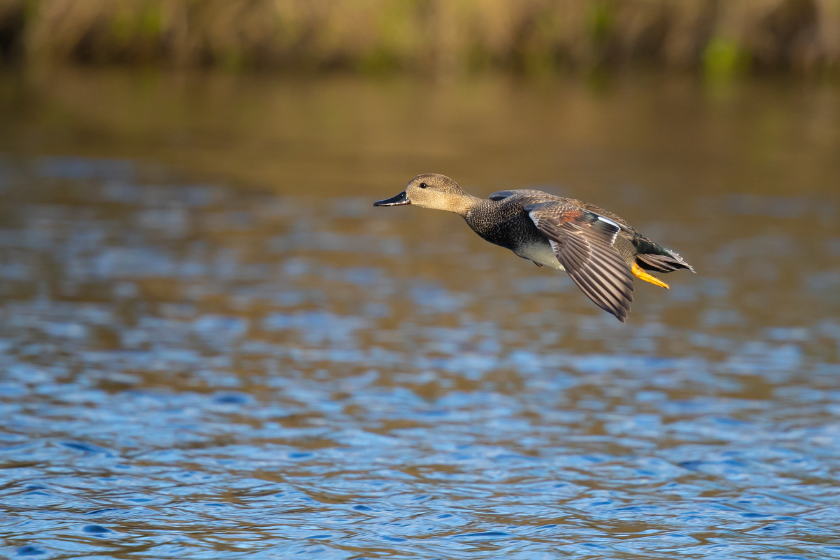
(599, 250)
(504, 224)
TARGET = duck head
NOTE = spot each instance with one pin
(431, 190)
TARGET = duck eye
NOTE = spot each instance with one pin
(423, 185)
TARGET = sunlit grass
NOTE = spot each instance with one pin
(439, 36)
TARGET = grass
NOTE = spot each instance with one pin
(720, 37)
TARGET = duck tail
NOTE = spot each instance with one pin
(651, 256)
(668, 262)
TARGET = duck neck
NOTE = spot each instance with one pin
(464, 203)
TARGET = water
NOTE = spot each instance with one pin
(212, 346)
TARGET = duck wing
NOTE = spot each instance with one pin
(583, 243)
(524, 195)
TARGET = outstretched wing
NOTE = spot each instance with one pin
(583, 243)
(524, 195)
(501, 195)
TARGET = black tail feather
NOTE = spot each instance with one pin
(668, 262)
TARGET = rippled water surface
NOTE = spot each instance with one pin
(212, 346)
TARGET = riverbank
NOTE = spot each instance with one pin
(435, 36)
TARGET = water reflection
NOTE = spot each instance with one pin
(195, 369)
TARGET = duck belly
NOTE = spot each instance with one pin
(540, 253)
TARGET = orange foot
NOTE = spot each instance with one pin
(641, 274)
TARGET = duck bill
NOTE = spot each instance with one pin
(398, 200)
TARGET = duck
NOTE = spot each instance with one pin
(601, 252)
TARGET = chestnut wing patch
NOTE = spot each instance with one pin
(583, 243)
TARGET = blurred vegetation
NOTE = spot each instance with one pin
(439, 36)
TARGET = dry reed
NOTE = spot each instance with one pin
(721, 36)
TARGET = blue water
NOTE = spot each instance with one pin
(202, 371)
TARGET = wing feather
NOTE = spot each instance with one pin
(583, 243)
(501, 195)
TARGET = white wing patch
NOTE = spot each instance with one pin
(603, 219)
(612, 223)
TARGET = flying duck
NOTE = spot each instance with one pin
(600, 251)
